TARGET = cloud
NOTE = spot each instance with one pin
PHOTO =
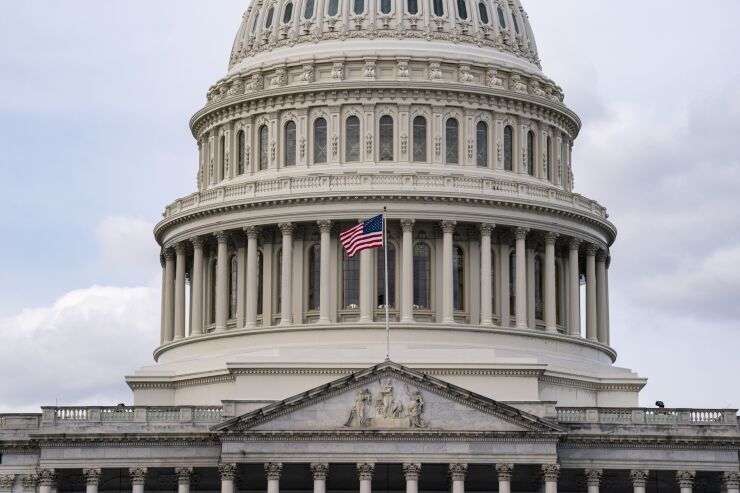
(127, 244)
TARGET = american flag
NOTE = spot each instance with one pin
(367, 234)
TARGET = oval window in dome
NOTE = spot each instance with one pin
(483, 11)
(439, 8)
(256, 22)
(501, 18)
(516, 24)
(308, 10)
(333, 7)
(288, 13)
(268, 21)
(412, 6)
(462, 9)
(359, 7)
(385, 6)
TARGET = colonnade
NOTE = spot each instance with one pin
(187, 258)
(44, 480)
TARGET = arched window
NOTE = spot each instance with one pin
(320, 149)
(350, 281)
(278, 286)
(483, 11)
(452, 141)
(508, 148)
(233, 280)
(501, 18)
(290, 148)
(512, 284)
(212, 294)
(308, 9)
(422, 275)
(462, 9)
(260, 281)
(458, 278)
(385, 6)
(530, 153)
(391, 277)
(352, 138)
(240, 151)
(516, 24)
(256, 22)
(438, 7)
(333, 8)
(550, 167)
(263, 147)
(270, 14)
(314, 277)
(412, 6)
(539, 289)
(385, 140)
(288, 13)
(359, 7)
(481, 144)
(419, 143)
(222, 156)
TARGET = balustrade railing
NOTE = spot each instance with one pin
(53, 416)
(645, 416)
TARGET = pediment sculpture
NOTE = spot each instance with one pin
(384, 410)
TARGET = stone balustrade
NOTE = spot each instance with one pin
(72, 416)
(647, 416)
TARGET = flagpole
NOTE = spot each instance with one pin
(385, 297)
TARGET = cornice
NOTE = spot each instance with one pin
(67, 440)
(393, 436)
(650, 442)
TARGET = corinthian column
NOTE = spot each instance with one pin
(407, 271)
(169, 295)
(272, 471)
(457, 474)
(241, 261)
(6, 483)
(365, 472)
(591, 313)
(550, 474)
(411, 473)
(320, 471)
(574, 287)
(504, 477)
(685, 480)
(602, 305)
(222, 281)
(180, 251)
(639, 479)
(286, 286)
(325, 279)
(138, 479)
(227, 472)
(29, 482)
(92, 479)
(593, 480)
(486, 282)
(521, 277)
(731, 481)
(183, 479)
(252, 277)
(550, 284)
(47, 480)
(448, 228)
(196, 285)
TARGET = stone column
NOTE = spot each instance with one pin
(222, 281)
(169, 295)
(550, 285)
(6, 483)
(161, 297)
(407, 271)
(731, 481)
(606, 282)
(504, 477)
(181, 252)
(448, 314)
(574, 286)
(593, 480)
(685, 480)
(591, 318)
(365, 471)
(183, 479)
(196, 284)
(367, 303)
(325, 280)
(550, 474)
(486, 282)
(272, 471)
(457, 475)
(286, 286)
(411, 473)
(138, 479)
(602, 305)
(521, 277)
(252, 277)
(228, 474)
(639, 479)
(241, 262)
(320, 472)
(47, 480)
(92, 479)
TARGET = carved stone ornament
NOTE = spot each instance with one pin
(550, 472)
(138, 475)
(369, 71)
(227, 471)
(385, 410)
(92, 475)
(504, 471)
(521, 233)
(639, 477)
(485, 229)
(435, 72)
(184, 474)
(448, 226)
(458, 472)
(320, 471)
(593, 477)
(407, 225)
(307, 75)
(337, 71)
(685, 479)
(411, 471)
(731, 479)
(6, 482)
(47, 477)
(465, 76)
(273, 470)
(29, 482)
(493, 80)
(280, 78)
(403, 70)
(365, 471)
(517, 85)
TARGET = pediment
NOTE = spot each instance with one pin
(388, 397)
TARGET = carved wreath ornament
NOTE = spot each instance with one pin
(384, 410)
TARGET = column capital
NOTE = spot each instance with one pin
(169, 255)
(591, 249)
(550, 472)
(593, 477)
(574, 243)
(29, 482)
(286, 228)
(252, 232)
(92, 475)
(731, 479)
(685, 479)
(486, 229)
(551, 238)
(504, 471)
(448, 227)
(47, 477)
(639, 477)
(273, 470)
(411, 471)
(138, 475)
(601, 255)
(6, 482)
(222, 237)
(521, 233)
(325, 225)
(183, 474)
(181, 248)
(365, 470)
(227, 471)
(198, 242)
(320, 471)
(407, 225)
(458, 472)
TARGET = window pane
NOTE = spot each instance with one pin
(290, 144)
(385, 6)
(530, 153)
(333, 7)
(508, 149)
(320, 153)
(222, 156)
(353, 139)
(233, 279)
(462, 9)
(451, 140)
(413, 7)
(420, 139)
(288, 13)
(212, 314)
(481, 143)
(550, 170)
(538, 305)
(359, 7)
(558, 294)
(516, 24)
(308, 11)
(391, 277)
(483, 11)
(263, 147)
(314, 277)
(351, 281)
(512, 284)
(439, 9)
(386, 138)
(240, 151)
(260, 280)
(422, 275)
(270, 13)
(501, 18)
(256, 22)
(279, 282)
(493, 281)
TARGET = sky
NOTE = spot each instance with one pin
(95, 99)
